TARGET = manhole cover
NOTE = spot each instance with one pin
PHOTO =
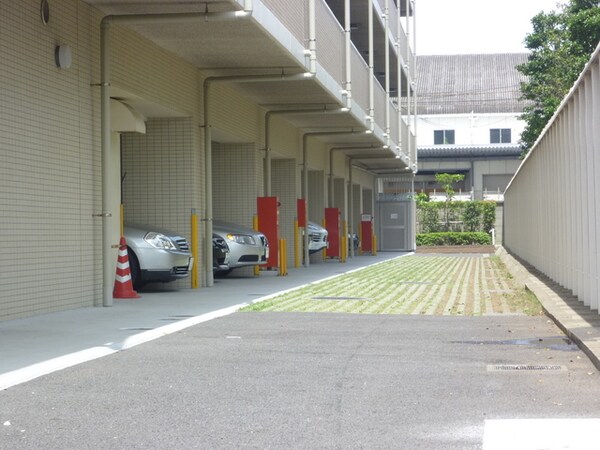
(341, 298)
(525, 368)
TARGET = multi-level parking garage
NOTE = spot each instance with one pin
(175, 108)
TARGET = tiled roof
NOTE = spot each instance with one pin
(472, 151)
(460, 84)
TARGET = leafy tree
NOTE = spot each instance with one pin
(488, 210)
(447, 180)
(561, 44)
(471, 216)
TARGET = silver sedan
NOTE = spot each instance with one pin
(247, 247)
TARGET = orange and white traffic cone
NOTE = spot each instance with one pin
(123, 284)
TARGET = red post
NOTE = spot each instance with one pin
(268, 224)
(366, 227)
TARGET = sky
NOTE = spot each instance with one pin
(446, 27)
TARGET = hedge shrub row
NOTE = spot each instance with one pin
(456, 216)
(454, 238)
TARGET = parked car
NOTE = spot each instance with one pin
(156, 254)
(247, 247)
(220, 254)
(317, 237)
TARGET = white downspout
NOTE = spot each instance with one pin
(408, 87)
(312, 36)
(387, 72)
(399, 68)
(109, 222)
(414, 49)
(371, 117)
(351, 208)
(348, 41)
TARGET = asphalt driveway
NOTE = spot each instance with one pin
(308, 380)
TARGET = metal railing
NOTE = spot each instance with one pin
(330, 43)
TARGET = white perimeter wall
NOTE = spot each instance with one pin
(552, 206)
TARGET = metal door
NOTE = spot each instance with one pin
(394, 225)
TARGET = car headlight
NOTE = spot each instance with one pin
(244, 239)
(158, 240)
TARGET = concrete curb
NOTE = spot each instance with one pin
(577, 321)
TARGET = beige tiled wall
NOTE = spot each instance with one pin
(339, 195)
(49, 180)
(162, 176)
(316, 196)
(236, 175)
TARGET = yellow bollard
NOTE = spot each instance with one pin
(374, 250)
(344, 246)
(282, 257)
(296, 244)
(255, 226)
(194, 275)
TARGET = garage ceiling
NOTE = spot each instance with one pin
(243, 47)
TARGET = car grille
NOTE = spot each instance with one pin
(248, 258)
(182, 244)
(180, 270)
(317, 238)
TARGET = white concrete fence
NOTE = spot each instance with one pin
(552, 204)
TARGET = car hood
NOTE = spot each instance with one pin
(228, 227)
(312, 226)
(140, 230)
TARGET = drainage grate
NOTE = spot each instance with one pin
(342, 298)
(525, 368)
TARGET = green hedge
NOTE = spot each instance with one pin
(454, 238)
(433, 217)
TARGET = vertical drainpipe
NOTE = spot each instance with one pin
(371, 117)
(387, 72)
(351, 207)
(108, 221)
(399, 68)
(347, 36)
(414, 48)
(409, 143)
(208, 205)
(312, 36)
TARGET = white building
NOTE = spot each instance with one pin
(468, 121)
